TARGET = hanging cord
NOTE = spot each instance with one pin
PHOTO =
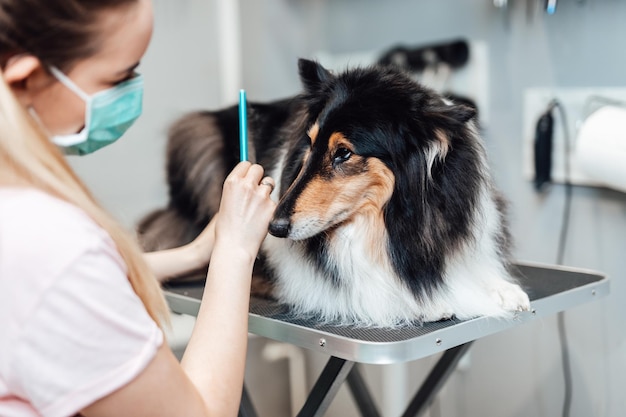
(565, 354)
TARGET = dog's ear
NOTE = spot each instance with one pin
(447, 118)
(462, 113)
(452, 114)
(312, 74)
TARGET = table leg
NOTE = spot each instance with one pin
(435, 380)
(246, 408)
(334, 374)
(337, 371)
(361, 394)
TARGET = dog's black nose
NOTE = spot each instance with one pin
(280, 227)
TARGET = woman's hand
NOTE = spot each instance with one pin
(245, 210)
(243, 219)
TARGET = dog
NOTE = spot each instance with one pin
(387, 214)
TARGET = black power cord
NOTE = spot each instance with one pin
(562, 329)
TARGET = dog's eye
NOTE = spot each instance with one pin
(341, 155)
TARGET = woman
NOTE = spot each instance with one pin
(79, 304)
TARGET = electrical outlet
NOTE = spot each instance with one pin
(576, 102)
(472, 80)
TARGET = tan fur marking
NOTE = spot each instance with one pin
(444, 142)
(380, 192)
(261, 286)
(438, 150)
(359, 197)
(313, 132)
(338, 140)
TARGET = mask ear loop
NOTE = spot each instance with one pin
(73, 139)
(66, 81)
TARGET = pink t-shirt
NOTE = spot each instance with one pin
(72, 330)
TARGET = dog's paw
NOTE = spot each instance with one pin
(439, 314)
(510, 296)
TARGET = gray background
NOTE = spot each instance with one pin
(516, 373)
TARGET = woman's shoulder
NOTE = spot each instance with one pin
(32, 210)
(42, 233)
(32, 199)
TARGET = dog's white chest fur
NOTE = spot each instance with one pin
(369, 293)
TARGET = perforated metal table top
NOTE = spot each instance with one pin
(551, 289)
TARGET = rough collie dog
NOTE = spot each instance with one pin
(387, 214)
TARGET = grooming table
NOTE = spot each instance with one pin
(551, 290)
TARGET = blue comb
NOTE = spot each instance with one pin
(243, 126)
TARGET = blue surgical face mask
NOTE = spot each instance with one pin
(108, 114)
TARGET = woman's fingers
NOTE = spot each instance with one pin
(253, 174)
(246, 171)
(241, 169)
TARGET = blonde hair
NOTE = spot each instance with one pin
(29, 158)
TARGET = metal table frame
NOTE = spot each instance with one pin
(551, 290)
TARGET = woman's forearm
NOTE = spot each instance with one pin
(171, 263)
(215, 356)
